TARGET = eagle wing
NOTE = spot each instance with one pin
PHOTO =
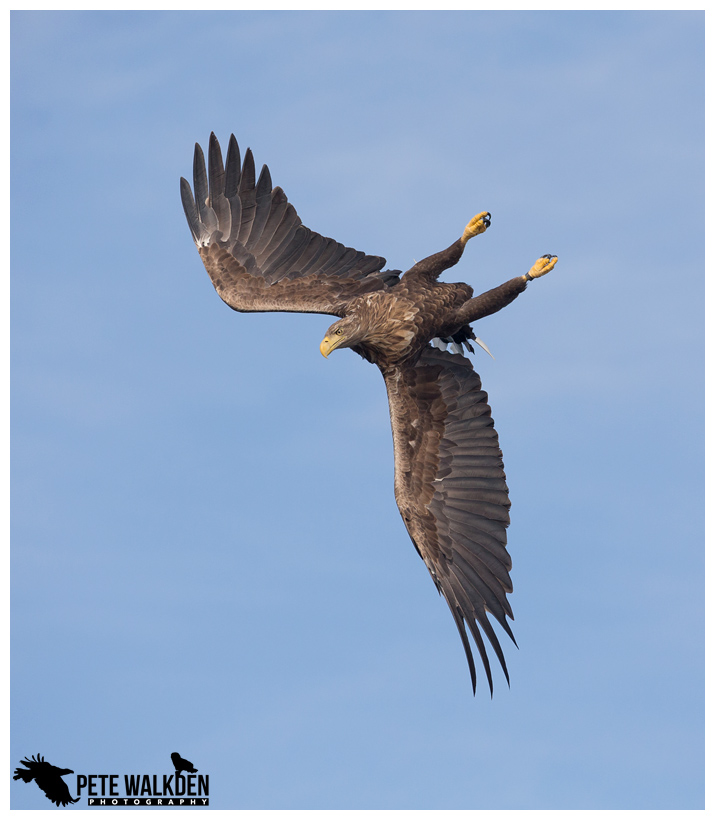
(55, 789)
(259, 255)
(451, 491)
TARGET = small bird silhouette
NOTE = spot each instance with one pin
(48, 778)
(182, 765)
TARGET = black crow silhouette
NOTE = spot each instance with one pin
(48, 778)
(182, 765)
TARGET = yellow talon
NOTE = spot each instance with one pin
(477, 224)
(542, 266)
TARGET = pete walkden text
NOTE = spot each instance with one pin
(145, 790)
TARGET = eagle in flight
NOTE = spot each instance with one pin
(450, 485)
(48, 778)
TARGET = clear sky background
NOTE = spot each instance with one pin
(207, 556)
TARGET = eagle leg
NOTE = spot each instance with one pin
(497, 298)
(542, 266)
(432, 266)
(476, 225)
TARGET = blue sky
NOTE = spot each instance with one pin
(207, 556)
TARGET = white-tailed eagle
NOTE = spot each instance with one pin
(449, 475)
(48, 778)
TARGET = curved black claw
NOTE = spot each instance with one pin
(487, 219)
(547, 256)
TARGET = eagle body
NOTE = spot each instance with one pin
(397, 324)
(450, 485)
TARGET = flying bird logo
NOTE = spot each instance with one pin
(450, 484)
(182, 765)
(48, 778)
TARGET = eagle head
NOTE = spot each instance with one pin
(343, 333)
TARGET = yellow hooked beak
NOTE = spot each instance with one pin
(329, 344)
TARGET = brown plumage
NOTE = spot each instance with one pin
(449, 475)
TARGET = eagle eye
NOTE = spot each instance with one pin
(339, 332)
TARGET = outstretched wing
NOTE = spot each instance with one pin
(55, 789)
(451, 491)
(259, 255)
